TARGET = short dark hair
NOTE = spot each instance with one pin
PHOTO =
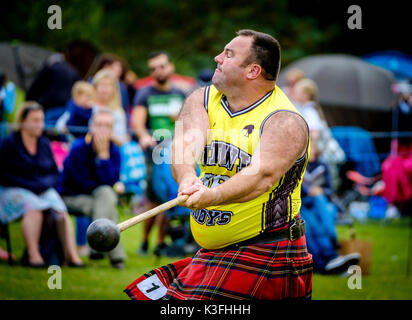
(159, 53)
(265, 52)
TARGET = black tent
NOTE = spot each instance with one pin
(21, 62)
(351, 91)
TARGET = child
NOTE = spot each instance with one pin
(79, 110)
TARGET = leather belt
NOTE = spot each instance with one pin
(295, 230)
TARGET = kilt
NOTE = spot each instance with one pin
(280, 270)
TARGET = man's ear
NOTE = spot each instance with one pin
(255, 71)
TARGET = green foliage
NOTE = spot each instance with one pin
(194, 32)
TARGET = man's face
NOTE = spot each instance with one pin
(103, 125)
(230, 68)
(160, 68)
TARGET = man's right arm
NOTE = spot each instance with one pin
(191, 128)
(139, 119)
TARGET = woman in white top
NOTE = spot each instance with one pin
(305, 92)
(108, 96)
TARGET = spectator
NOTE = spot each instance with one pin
(117, 66)
(27, 181)
(305, 92)
(155, 109)
(107, 96)
(52, 85)
(79, 110)
(7, 96)
(90, 171)
(293, 76)
(402, 118)
(320, 215)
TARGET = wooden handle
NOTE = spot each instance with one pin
(152, 212)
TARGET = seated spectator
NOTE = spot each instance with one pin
(52, 85)
(78, 110)
(27, 181)
(90, 171)
(305, 92)
(319, 214)
(108, 96)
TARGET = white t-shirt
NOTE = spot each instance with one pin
(311, 116)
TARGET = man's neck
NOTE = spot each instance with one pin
(240, 98)
(163, 87)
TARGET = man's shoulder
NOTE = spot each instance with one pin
(176, 90)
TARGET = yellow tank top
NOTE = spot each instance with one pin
(232, 140)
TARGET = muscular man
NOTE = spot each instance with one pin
(252, 146)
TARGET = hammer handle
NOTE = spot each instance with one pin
(152, 212)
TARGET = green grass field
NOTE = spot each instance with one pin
(388, 278)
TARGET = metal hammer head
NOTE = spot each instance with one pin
(103, 235)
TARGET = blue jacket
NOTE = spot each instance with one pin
(20, 169)
(79, 118)
(83, 171)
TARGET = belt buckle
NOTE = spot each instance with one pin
(291, 229)
(297, 228)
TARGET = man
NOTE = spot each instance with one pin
(253, 149)
(52, 86)
(90, 171)
(156, 109)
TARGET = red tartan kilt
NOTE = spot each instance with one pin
(281, 270)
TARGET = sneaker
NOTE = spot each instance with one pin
(161, 250)
(95, 255)
(117, 264)
(143, 249)
(341, 264)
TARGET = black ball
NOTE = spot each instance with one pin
(103, 235)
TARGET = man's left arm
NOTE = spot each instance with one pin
(283, 141)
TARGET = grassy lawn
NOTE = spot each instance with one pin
(387, 280)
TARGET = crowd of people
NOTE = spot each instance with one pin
(109, 132)
(112, 128)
